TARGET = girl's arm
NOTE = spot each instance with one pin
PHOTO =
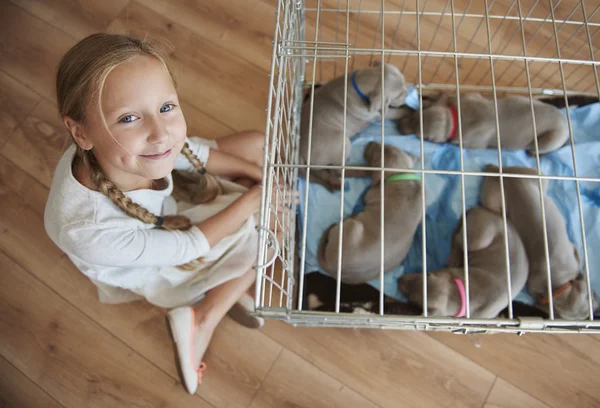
(225, 165)
(227, 221)
(115, 244)
(218, 163)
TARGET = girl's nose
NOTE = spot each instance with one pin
(158, 132)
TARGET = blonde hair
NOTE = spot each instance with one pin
(81, 75)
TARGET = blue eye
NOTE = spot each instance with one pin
(127, 119)
(166, 107)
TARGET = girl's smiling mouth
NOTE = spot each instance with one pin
(158, 156)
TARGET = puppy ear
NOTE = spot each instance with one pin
(434, 98)
(377, 103)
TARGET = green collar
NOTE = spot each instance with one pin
(403, 176)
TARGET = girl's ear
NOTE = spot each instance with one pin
(78, 133)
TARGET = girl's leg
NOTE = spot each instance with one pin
(247, 145)
(215, 305)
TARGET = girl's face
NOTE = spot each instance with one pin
(143, 115)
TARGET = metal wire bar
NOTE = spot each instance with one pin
(441, 172)
(337, 30)
(542, 197)
(462, 168)
(566, 44)
(575, 171)
(437, 30)
(368, 51)
(295, 148)
(472, 37)
(417, 33)
(308, 167)
(462, 18)
(462, 326)
(338, 288)
(423, 198)
(280, 172)
(484, 88)
(266, 179)
(527, 42)
(379, 23)
(278, 130)
(583, 237)
(357, 27)
(397, 28)
(382, 184)
(492, 39)
(592, 55)
(507, 43)
(549, 38)
(501, 180)
(437, 13)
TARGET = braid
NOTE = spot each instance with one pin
(109, 189)
(129, 207)
(207, 185)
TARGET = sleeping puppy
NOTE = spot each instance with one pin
(440, 122)
(361, 259)
(524, 210)
(487, 270)
(365, 104)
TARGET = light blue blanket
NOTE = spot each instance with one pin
(443, 194)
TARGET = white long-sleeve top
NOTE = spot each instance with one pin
(113, 249)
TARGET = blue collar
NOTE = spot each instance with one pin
(362, 95)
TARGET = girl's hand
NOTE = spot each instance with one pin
(251, 198)
(253, 172)
(283, 200)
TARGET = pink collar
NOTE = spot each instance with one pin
(461, 290)
(454, 116)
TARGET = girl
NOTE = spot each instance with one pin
(110, 207)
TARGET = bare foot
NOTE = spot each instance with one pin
(203, 332)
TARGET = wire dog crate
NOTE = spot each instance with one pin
(495, 47)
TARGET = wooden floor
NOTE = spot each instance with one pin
(60, 347)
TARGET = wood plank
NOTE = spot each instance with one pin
(38, 144)
(570, 363)
(243, 28)
(16, 101)
(70, 356)
(506, 395)
(18, 391)
(295, 383)
(387, 366)
(217, 82)
(30, 49)
(200, 124)
(76, 18)
(238, 358)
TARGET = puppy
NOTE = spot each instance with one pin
(487, 270)
(524, 211)
(361, 251)
(440, 122)
(365, 104)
